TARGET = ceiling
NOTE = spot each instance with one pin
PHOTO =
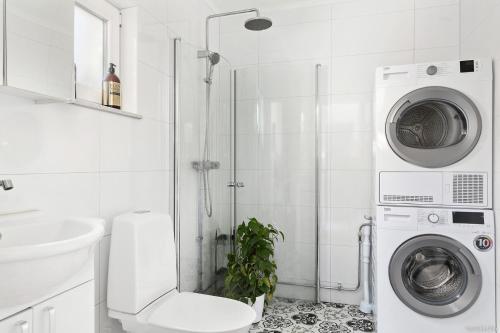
(224, 5)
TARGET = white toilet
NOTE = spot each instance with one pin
(142, 283)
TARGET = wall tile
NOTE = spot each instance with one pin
(290, 16)
(437, 54)
(115, 196)
(474, 13)
(344, 256)
(246, 83)
(295, 42)
(355, 8)
(373, 34)
(349, 112)
(150, 191)
(43, 138)
(116, 143)
(345, 226)
(149, 145)
(352, 189)
(355, 74)
(292, 79)
(248, 117)
(72, 194)
(350, 151)
(240, 54)
(294, 115)
(480, 40)
(152, 89)
(153, 45)
(437, 27)
(435, 3)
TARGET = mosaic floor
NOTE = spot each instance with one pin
(295, 316)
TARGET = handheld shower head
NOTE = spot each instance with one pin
(214, 58)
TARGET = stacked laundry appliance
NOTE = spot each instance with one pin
(434, 252)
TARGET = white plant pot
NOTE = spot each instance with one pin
(258, 307)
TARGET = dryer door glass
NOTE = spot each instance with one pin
(435, 276)
(433, 127)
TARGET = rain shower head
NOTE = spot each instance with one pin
(258, 23)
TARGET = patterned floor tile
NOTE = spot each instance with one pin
(297, 316)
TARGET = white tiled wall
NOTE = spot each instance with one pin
(76, 161)
(275, 107)
(479, 38)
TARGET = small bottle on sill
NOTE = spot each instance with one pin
(111, 89)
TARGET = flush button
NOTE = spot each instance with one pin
(432, 70)
(433, 218)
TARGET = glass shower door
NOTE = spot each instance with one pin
(202, 183)
(275, 158)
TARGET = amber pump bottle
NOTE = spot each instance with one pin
(111, 89)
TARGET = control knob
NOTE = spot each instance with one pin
(433, 218)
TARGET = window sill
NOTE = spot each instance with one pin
(99, 107)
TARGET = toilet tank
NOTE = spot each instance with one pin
(142, 260)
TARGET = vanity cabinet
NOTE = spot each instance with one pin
(72, 311)
(19, 323)
(69, 312)
(38, 48)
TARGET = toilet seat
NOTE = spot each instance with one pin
(191, 312)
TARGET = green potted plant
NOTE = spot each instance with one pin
(251, 277)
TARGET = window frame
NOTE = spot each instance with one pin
(111, 17)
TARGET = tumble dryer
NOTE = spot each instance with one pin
(434, 134)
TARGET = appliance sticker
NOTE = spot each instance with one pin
(483, 243)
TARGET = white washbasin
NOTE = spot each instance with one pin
(39, 252)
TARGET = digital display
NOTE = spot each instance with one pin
(468, 217)
(466, 66)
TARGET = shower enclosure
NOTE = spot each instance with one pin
(249, 142)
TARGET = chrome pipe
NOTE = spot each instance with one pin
(4, 46)
(235, 160)
(177, 57)
(316, 182)
(236, 12)
(339, 285)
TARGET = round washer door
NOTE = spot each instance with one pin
(433, 127)
(435, 276)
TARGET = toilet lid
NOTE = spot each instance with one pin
(191, 312)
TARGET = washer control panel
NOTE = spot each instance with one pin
(457, 218)
(434, 219)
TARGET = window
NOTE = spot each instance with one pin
(97, 43)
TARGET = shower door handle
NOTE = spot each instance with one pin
(235, 184)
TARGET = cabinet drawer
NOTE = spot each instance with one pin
(70, 312)
(19, 323)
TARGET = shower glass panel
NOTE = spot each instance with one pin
(275, 159)
(204, 241)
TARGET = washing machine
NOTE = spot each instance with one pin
(435, 270)
(434, 134)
